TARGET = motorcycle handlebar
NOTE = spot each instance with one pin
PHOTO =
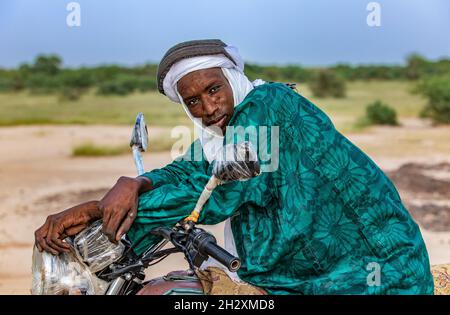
(161, 231)
(221, 255)
(207, 245)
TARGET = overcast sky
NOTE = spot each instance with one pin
(308, 32)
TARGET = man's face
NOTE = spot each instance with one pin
(208, 95)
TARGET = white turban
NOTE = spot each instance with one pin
(185, 66)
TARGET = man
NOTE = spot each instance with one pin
(323, 219)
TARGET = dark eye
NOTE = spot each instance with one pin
(192, 102)
(214, 89)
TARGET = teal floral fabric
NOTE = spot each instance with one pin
(326, 221)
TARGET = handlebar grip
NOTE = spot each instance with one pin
(221, 255)
(206, 244)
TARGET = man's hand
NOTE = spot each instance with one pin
(49, 237)
(119, 206)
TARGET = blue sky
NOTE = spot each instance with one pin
(308, 32)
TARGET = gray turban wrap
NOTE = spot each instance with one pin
(194, 48)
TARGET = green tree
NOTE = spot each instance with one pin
(47, 64)
(379, 113)
(437, 90)
(121, 85)
(326, 83)
(415, 66)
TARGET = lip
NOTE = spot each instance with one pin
(219, 123)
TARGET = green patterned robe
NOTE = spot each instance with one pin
(323, 223)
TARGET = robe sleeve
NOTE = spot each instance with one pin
(179, 185)
(180, 169)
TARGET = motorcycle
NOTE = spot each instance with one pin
(97, 266)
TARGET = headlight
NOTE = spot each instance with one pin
(73, 273)
(60, 275)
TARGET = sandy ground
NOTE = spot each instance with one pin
(39, 177)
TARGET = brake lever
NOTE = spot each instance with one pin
(136, 267)
(163, 232)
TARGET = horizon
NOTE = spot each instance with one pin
(402, 64)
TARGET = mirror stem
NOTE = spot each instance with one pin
(206, 193)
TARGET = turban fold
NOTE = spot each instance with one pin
(191, 56)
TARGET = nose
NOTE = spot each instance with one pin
(209, 106)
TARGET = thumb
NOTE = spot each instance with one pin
(74, 230)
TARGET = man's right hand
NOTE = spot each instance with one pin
(119, 205)
(49, 237)
(118, 209)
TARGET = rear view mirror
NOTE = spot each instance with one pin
(139, 137)
(139, 142)
(239, 162)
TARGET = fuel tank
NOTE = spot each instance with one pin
(180, 282)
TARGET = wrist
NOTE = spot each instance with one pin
(92, 210)
(144, 184)
(125, 179)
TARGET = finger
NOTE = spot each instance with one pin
(52, 235)
(52, 244)
(47, 248)
(40, 243)
(60, 243)
(56, 235)
(55, 238)
(42, 231)
(70, 228)
(106, 218)
(126, 224)
(40, 235)
(74, 230)
(38, 238)
(114, 222)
